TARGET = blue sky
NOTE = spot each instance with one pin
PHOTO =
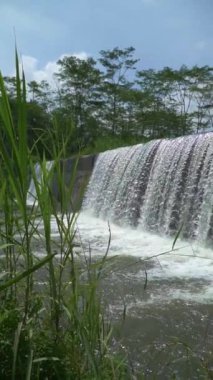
(163, 32)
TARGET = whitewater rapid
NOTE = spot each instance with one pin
(189, 264)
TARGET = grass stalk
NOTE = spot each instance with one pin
(59, 329)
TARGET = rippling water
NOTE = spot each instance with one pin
(188, 262)
(166, 327)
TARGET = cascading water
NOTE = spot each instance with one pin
(158, 188)
(155, 187)
(161, 186)
(32, 195)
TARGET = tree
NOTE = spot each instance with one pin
(168, 97)
(80, 80)
(115, 84)
(10, 83)
(202, 92)
(114, 99)
(41, 93)
(39, 125)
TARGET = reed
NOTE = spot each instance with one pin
(56, 330)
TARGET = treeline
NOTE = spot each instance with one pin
(96, 104)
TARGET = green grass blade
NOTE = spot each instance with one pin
(177, 236)
(15, 349)
(26, 273)
(29, 365)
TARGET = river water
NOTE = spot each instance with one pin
(159, 300)
(158, 295)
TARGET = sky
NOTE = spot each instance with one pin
(163, 32)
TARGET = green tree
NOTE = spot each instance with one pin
(10, 84)
(39, 123)
(202, 92)
(41, 93)
(116, 85)
(79, 92)
(167, 100)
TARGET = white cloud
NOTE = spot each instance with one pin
(82, 55)
(29, 65)
(33, 72)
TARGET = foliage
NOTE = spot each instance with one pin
(116, 63)
(90, 100)
(51, 320)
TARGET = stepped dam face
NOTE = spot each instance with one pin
(163, 186)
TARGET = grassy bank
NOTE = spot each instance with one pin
(56, 330)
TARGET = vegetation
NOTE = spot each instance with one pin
(99, 102)
(51, 320)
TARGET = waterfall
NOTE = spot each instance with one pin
(162, 186)
(32, 195)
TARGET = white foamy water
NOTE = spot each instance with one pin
(184, 273)
(188, 263)
(150, 189)
(160, 186)
(32, 195)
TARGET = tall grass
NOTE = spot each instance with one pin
(51, 320)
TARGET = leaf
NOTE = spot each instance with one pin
(26, 273)
(29, 365)
(43, 359)
(15, 348)
(177, 236)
